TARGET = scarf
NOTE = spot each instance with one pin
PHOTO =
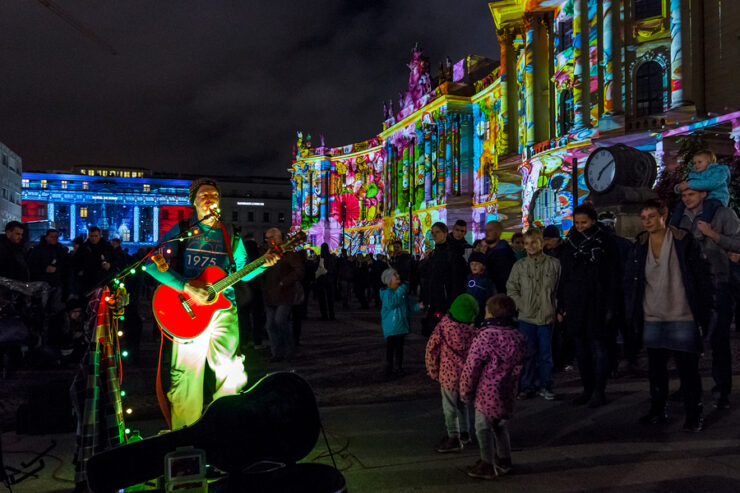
(587, 245)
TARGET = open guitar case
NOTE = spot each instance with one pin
(257, 437)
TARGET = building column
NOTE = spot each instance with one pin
(449, 160)
(592, 58)
(530, 24)
(50, 211)
(72, 221)
(677, 97)
(155, 223)
(606, 57)
(578, 71)
(136, 223)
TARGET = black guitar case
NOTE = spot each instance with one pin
(277, 419)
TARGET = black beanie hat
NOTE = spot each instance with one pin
(196, 184)
(477, 257)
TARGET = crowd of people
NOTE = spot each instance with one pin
(53, 319)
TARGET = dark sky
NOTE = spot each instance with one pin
(214, 85)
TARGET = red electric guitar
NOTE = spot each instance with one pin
(184, 317)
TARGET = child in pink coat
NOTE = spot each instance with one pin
(490, 378)
(446, 351)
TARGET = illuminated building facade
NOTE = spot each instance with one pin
(483, 142)
(139, 206)
(11, 168)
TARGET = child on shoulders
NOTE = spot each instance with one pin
(490, 379)
(446, 352)
(708, 175)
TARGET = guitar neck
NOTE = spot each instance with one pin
(236, 276)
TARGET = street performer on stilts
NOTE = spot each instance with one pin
(211, 244)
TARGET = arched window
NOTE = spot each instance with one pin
(649, 89)
(648, 8)
(566, 111)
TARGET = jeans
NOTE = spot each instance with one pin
(279, 330)
(493, 437)
(720, 339)
(593, 364)
(457, 414)
(688, 371)
(539, 356)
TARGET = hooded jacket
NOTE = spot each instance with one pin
(490, 377)
(447, 350)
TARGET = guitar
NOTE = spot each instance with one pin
(184, 317)
(277, 419)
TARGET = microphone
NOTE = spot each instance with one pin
(214, 211)
(161, 263)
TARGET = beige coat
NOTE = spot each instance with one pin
(533, 286)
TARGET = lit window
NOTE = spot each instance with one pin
(24, 183)
(83, 171)
(43, 183)
(85, 185)
(64, 184)
(83, 211)
(127, 174)
(147, 187)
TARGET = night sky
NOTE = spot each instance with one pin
(216, 85)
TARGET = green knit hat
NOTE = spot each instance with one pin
(464, 309)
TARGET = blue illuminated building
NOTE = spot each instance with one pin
(124, 203)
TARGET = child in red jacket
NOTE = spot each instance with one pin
(490, 378)
(446, 351)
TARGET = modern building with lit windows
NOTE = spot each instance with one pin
(139, 206)
(10, 185)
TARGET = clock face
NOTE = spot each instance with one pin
(600, 170)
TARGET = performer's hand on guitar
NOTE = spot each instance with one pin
(200, 294)
(271, 259)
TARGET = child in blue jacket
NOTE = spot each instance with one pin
(707, 175)
(397, 307)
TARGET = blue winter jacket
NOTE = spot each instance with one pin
(397, 307)
(715, 180)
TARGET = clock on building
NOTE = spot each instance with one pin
(619, 165)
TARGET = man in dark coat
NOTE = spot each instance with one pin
(717, 239)
(12, 255)
(280, 296)
(92, 262)
(49, 262)
(499, 256)
(588, 298)
(437, 277)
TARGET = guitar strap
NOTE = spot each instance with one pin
(229, 248)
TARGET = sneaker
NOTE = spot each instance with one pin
(722, 403)
(465, 438)
(654, 418)
(546, 394)
(450, 444)
(527, 394)
(482, 470)
(502, 469)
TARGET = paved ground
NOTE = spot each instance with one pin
(382, 433)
